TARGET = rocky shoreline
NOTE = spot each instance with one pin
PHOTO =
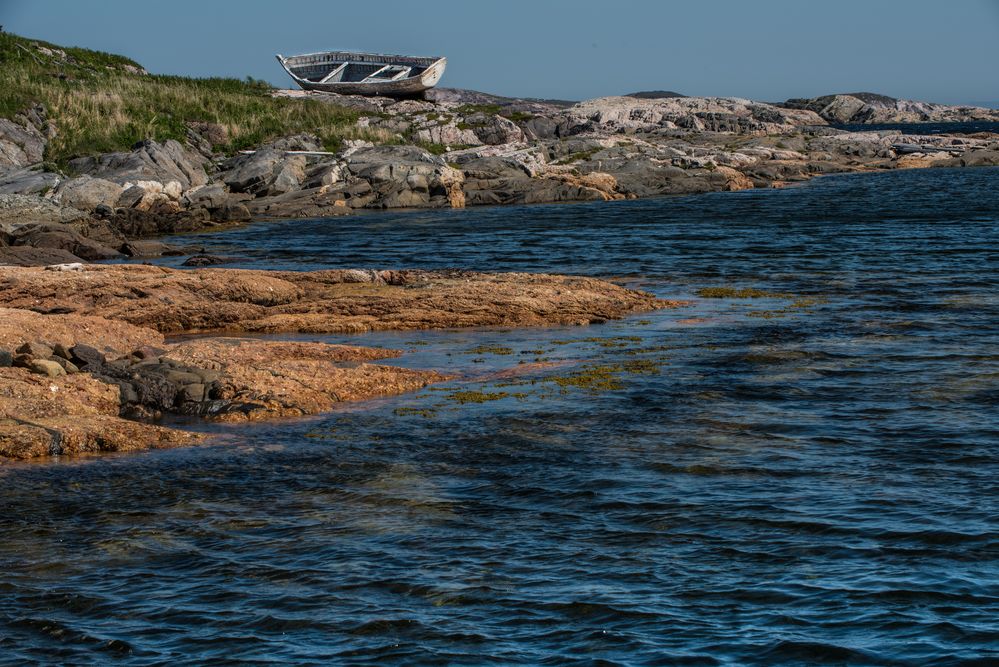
(85, 366)
(458, 149)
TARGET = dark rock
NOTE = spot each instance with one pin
(29, 256)
(63, 237)
(141, 413)
(145, 249)
(6, 358)
(87, 357)
(312, 203)
(148, 352)
(128, 393)
(22, 361)
(130, 197)
(154, 390)
(194, 393)
(205, 260)
(59, 350)
(134, 223)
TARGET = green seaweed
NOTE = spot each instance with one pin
(473, 396)
(491, 349)
(728, 292)
(420, 412)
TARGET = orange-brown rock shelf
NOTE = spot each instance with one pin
(92, 370)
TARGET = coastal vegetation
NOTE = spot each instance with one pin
(100, 102)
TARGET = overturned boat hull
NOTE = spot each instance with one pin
(353, 73)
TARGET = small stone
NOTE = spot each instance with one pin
(47, 367)
(60, 350)
(66, 364)
(6, 359)
(36, 350)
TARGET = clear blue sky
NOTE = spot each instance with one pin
(946, 51)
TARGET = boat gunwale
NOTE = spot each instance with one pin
(434, 59)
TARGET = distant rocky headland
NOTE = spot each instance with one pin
(97, 157)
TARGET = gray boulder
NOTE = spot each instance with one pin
(266, 172)
(404, 177)
(28, 182)
(495, 130)
(87, 193)
(147, 161)
(20, 209)
(20, 145)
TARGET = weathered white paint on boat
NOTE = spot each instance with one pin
(353, 73)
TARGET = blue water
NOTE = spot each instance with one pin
(808, 477)
(972, 127)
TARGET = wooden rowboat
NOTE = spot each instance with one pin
(350, 73)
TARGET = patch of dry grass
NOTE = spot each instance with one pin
(101, 102)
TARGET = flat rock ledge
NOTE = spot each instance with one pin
(85, 367)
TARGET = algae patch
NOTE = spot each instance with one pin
(472, 396)
(418, 412)
(738, 293)
(491, 349)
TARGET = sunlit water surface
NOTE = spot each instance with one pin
(805, 477)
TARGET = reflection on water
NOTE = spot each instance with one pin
(805, 477)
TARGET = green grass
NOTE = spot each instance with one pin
(493, 110)
(469, 109)
(517, 116)
(581, 156)
(437, 149)
(98, 105)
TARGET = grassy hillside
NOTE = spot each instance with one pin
(100, 102)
